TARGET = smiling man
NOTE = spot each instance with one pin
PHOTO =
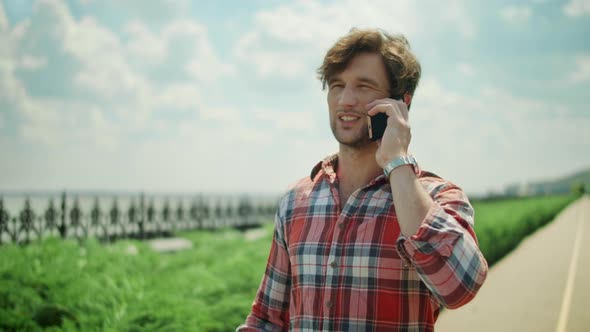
(369, 241)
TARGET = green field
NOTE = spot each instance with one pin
(128, 287)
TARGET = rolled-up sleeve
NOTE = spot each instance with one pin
(444, 249)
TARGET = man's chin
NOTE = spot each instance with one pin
(356, 143)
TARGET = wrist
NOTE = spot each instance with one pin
(386, 159)
(400, 161)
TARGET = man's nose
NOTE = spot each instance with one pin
(348, 97)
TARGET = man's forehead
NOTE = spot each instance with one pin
(360, 77)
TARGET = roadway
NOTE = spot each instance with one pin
(544, 285)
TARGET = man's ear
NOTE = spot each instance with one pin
(407, 99)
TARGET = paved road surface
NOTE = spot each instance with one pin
(544, 285)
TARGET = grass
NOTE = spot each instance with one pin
(65, 286)
(207, 288)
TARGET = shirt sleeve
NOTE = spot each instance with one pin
(444, 249)
(270, 310)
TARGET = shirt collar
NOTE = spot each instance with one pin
(327, 166)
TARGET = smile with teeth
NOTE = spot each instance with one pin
(348, 118)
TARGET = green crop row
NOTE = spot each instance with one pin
(58, 285)
(501, 225)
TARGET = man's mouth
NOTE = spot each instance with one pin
(348, 118)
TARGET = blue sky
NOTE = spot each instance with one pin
(194, 96)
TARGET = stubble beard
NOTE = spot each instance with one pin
(358, 141)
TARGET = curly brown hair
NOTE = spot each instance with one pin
(403, 68)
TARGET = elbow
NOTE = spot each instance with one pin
(468, 289)
(455, 304)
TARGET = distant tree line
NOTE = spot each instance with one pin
(140, 220)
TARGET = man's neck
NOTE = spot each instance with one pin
(356, 168)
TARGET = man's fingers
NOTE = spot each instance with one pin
(382, 108)
(390, 109)
(377, 102)
(387, 106)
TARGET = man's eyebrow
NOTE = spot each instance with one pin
(369, 81)
(334, 79)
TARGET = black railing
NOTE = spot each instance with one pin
(141, 219)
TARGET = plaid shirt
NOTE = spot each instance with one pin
(348, 268)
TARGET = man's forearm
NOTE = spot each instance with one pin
(410, 199)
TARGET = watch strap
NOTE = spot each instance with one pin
(400, 161)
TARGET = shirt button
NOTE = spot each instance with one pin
(333, 264)
(341, 225)
(329, 304)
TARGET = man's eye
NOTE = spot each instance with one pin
(336, 85)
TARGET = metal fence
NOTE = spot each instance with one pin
(141, 219)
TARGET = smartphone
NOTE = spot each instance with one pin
(377, 125)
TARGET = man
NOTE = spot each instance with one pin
(368, 242)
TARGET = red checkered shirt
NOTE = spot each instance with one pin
(348, 268)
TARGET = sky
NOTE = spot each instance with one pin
(222, 96)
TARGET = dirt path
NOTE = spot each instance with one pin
(544, 285)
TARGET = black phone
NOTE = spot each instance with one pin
(377, 125)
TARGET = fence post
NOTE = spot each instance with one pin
(218, 223)
(62, 228)
(76, 219)
(141, 221)
(131, 218)
(27, 217)
(114, 219)
(50, 217)
(151, 214)
(95, 216)
(179, 216)
(205, 212)
(166, 216)
(244, 212)
(4, 217)
(194, 214)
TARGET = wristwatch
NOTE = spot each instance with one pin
(400, 161)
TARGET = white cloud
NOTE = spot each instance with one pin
(152, 108)
(143, 45)
(12, 91)
(516, 14)
(117, 100)
(288, 41)
(113, 68)
(576, 8)
(178, 96)
(30, 62)
(302, 121)
(3, 19)
(269, 62)
(466, 69)
(504, 135)
(582, 71)
(203, 64)
(453, 11)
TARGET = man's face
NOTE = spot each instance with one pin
(363, 81)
